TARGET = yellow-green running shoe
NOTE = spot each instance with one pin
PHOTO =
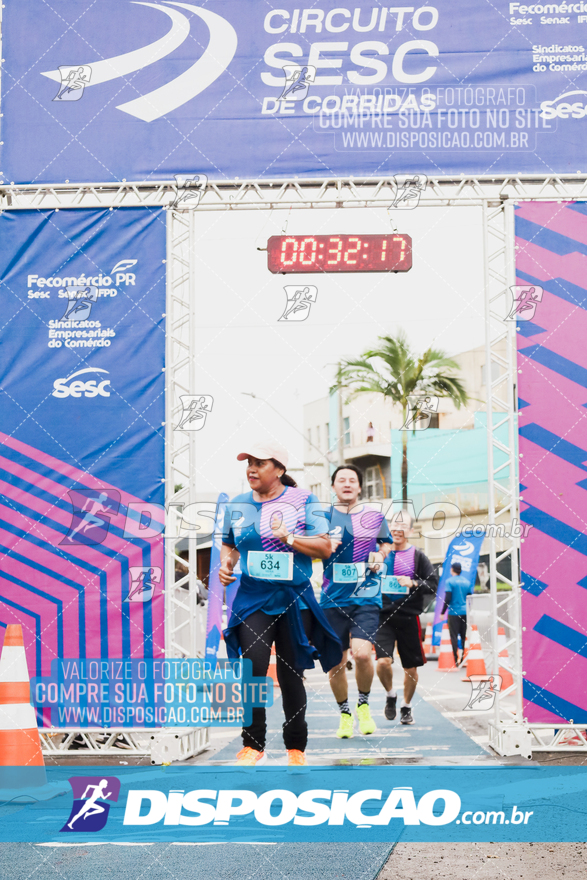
(345, 728)
(366, 723)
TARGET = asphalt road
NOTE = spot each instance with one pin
(486, 861)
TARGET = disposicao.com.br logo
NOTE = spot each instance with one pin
(363, 809)
(91, 802)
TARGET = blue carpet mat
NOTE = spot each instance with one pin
(432, 737)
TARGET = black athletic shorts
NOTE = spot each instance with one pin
(404, 630)
(353, 622)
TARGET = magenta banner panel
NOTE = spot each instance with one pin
(551, 268)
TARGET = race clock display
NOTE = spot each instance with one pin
(295, 254)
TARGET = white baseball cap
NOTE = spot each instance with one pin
(265, 450)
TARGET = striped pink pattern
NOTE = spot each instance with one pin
(290, 506)
(404, 562)
(552, 359)
(366, 526)
(24, 508)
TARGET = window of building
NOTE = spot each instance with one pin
(327, 436)
(434, 420)
(373, 486)
(316, 488)
(494, 372)
(347, 431)
(317, 436)
(310, 437)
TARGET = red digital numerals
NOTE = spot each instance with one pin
(290, 254)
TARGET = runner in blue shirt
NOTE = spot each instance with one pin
(455, 599)
(276, 530)
(351, 591)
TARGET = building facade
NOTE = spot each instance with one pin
(447, 462)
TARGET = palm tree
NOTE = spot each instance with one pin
(393, 369)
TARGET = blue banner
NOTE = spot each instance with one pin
(82, 397)
(464, 549)
(237, 88)
(312, 804)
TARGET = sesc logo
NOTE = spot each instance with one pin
(565, 109)
(465, 549)
(205, 70)
(80, 388)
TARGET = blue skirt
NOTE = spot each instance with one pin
(326, 646)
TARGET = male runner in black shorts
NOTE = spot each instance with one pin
(412, 576)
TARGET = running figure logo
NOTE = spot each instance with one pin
(80, 302)
(409, 188)
(299, 301)
(90, 806)
(420, 412)
(143, 580)
(483, 692)
(525, 302)
(90, 521)
(195, 409)
(74, 80)
(298, 80)
(190, 189)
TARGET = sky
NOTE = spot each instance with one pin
(242, 346)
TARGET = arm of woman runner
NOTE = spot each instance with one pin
(228, 559)
(318, 547)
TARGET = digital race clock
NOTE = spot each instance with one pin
(288, 254)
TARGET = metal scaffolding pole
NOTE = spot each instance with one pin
(496, 196)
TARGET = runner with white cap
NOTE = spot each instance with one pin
(276, 530)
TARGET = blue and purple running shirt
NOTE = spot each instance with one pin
(400, 563)
(360, 533)
(247, 526)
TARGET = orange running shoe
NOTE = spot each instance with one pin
(249, 757)
(295, 758)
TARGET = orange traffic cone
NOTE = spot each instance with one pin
(428, 640)
(446, 660)
(507, 679)
(466, 651)
(475, 658)
(430, 650)
(272, 671)
(20, 745)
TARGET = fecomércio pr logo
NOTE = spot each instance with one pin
(91, 796)
(81, 324)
